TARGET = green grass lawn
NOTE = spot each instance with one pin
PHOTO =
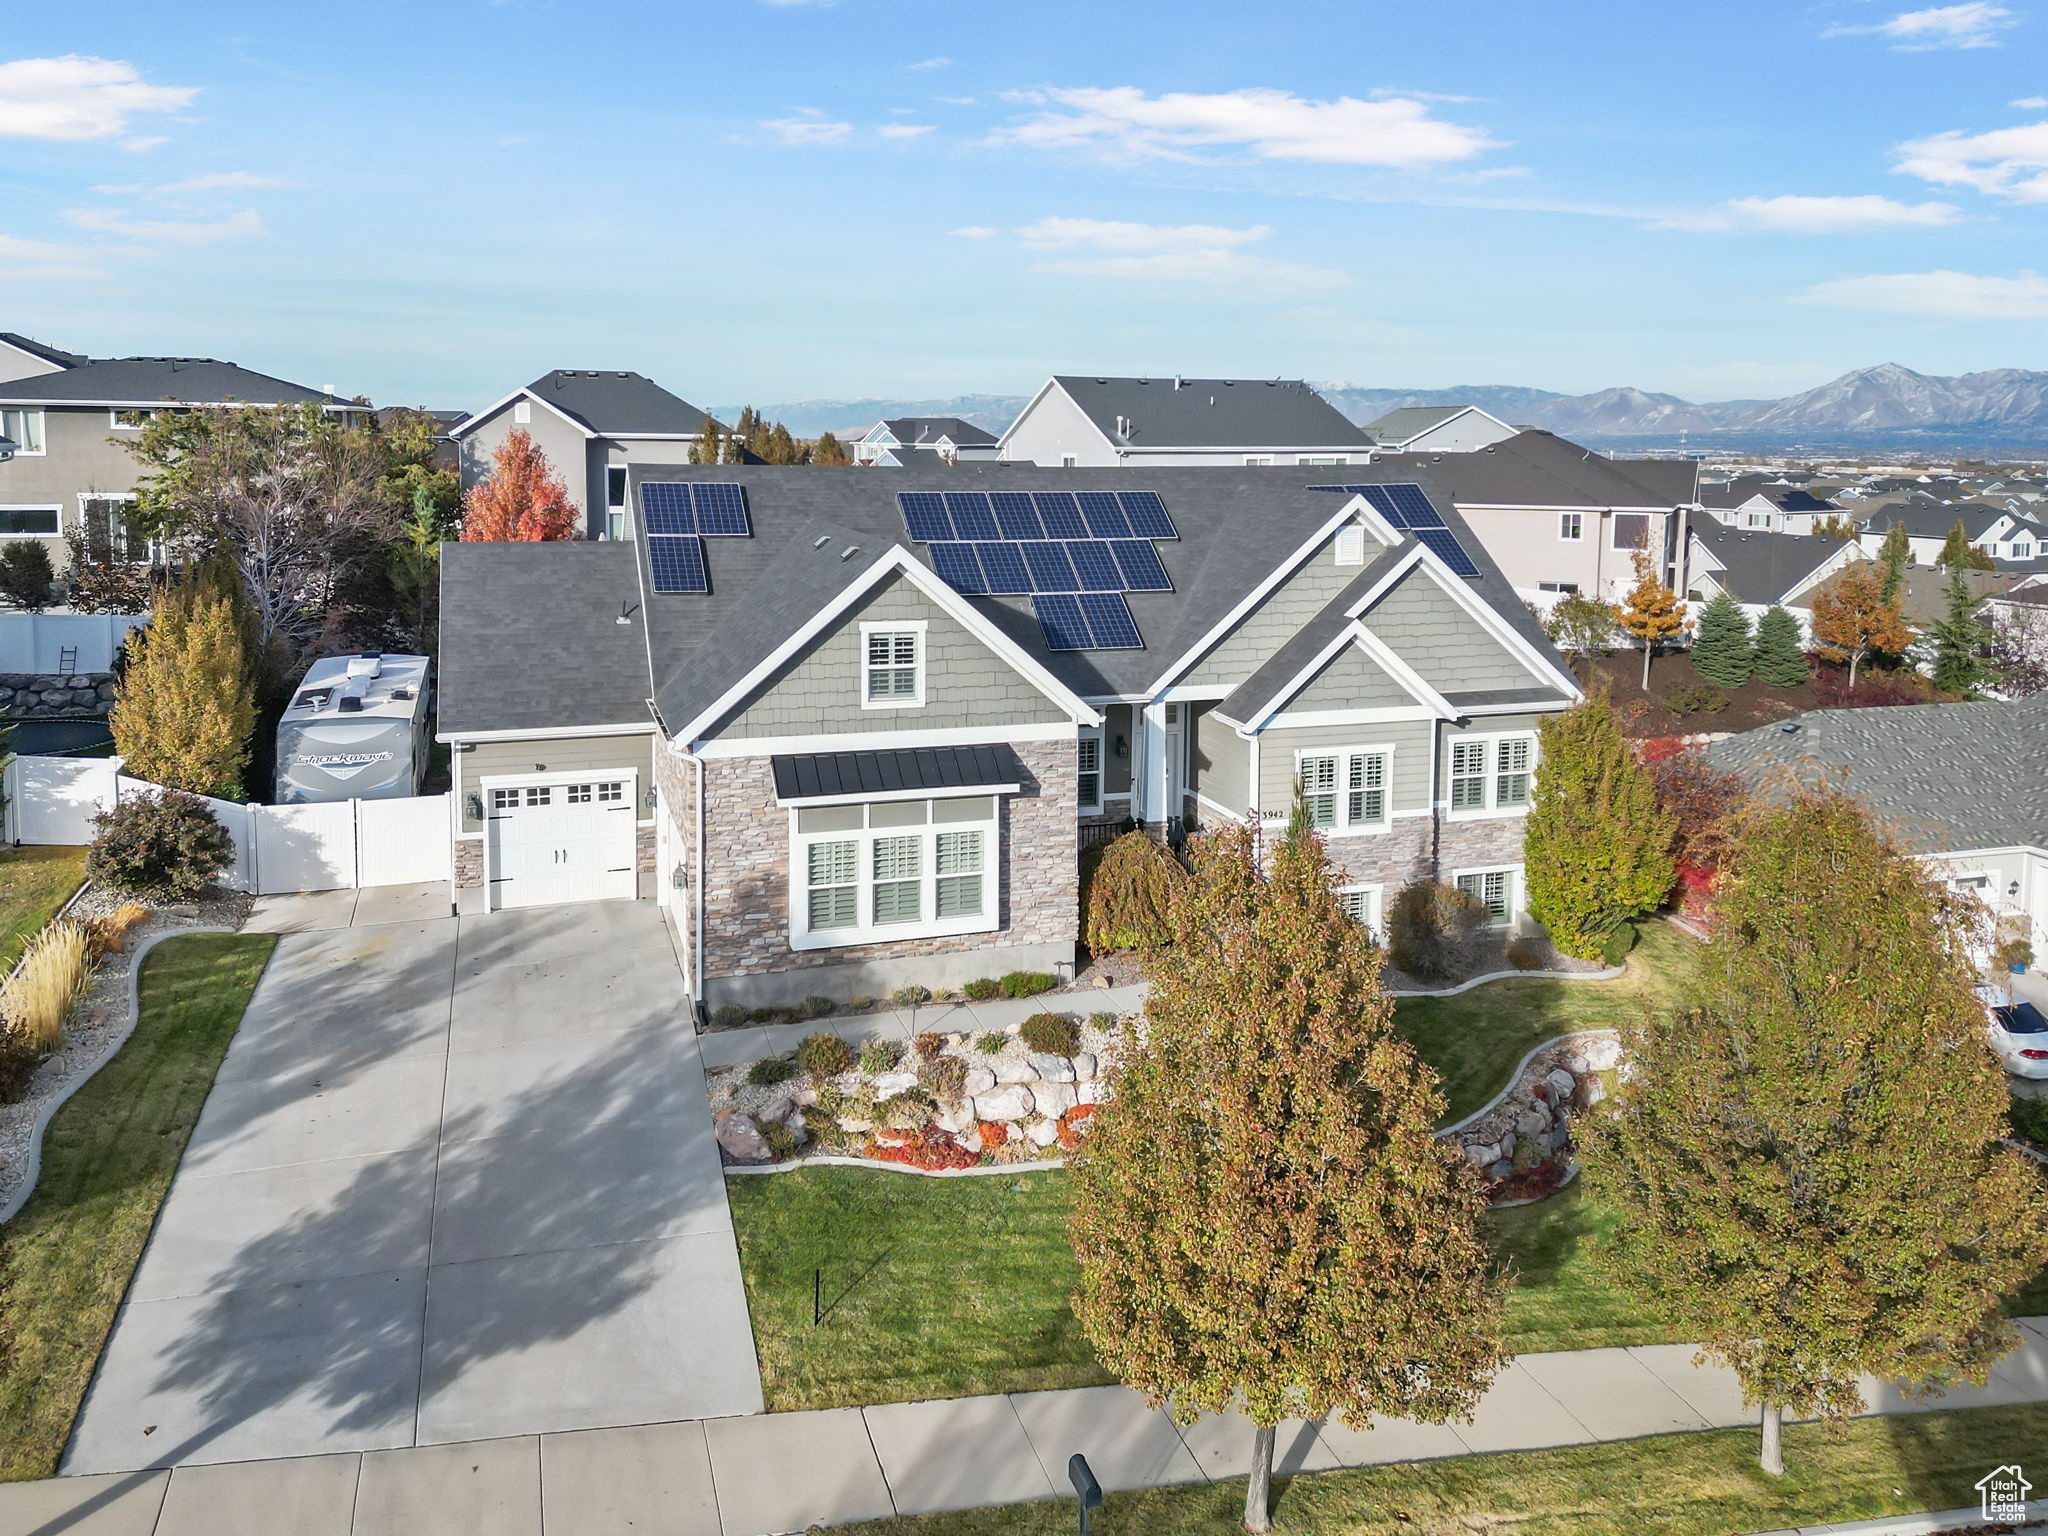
(1676, 1485)
(34, 883)
(65, 1261)
(1474, 1039)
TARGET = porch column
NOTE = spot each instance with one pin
(1148, 765)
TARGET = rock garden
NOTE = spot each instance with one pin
(1523, 1142)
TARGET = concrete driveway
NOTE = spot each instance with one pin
(456, 1180)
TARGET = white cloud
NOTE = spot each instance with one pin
(145, 144)
(811, 128)
(214, 181)
(977, 232)
(2030, 103)
(1938, 295)
(109, 221)
(1053, 234)
(1162, 253)
(1814, 215)
(1975, 24)
(1125, 122)
(2006, 162)
(903, 130)
(958, 101)
(922, 64)
(46, 262)
(1221, 268)
(75, 97)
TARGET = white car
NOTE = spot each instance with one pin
(2019, 1034)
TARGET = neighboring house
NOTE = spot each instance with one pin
(1767, 508)
(1999, 533)
(836, 734)
(1961, 784)
(909, 458)
(69, 417)
(1076, 422)
(949, 437)
(1437, 429)
(1762, 569)
(591, 425)
(1560, 518)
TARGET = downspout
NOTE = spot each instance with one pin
(1436, 814)
(697, 883)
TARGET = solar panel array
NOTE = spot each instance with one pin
(679, 515)
(1406, 507)
(1074, 554)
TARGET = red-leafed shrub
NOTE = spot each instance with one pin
(1074, 1125)
(1654, 749)
(930, 1149)
(993, 1133)
(1528, 1183)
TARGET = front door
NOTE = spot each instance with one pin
(572, 840)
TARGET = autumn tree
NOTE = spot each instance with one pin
(1780, 658)
(1581, 626)
(1852, 620)
(1265, 1218)
(1724, 651)
(1806, 1168)
(1596, 846)
(1700, 799)
(185, 707)
(521, 500)
(1651, 611)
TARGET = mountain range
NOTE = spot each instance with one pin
(1888, 407)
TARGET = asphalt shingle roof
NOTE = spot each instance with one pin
(1763, 567)
(917, 431)
(1397, 426)
(47, 353)
(1948, 777)
(1212, 413)
(1541, 469)
(161, 380)
(615, 404)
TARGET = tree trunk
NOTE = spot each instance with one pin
(1646, 663)
(1854, 658)
(1258, 1514)
(1773, 1458)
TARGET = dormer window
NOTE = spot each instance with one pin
(892, 667)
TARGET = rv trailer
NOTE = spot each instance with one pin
(355, 730)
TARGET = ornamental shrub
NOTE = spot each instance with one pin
(1433, 930)
(1701, 699)
(910, 996)
(26, 575)
(782, 1142)
(815, 1008)
(18, 1063)
(161, 844)
(1526, 953)
(1724, 652)
(944, 1078)
(928, 1043)
(1051, 1034)
(36, 999)
(981, 989)
(727, 1015)
(878, 1056)
(823, 1055)
(1028, 983)
(1127, 895)
(770, 1070)
(930, 1149)
(993, 1043)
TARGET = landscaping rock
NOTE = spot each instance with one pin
(1054, 1098)
(778, 1109)
(1500, 1170)
(1012, 1072)
(970, 1138)
(1007, 1103)
(1042, 1133)
(742, 1139)
(979, 1080)
(1054, 1069)
(1507, 1144)
(1603, 1053)
(1561, 1083)
(854, 1126)
(1533, 1121)
(804, 1097)
(1095, 1091)
(1575, 1063)
(1084, 1066)
(1591, 1092)
(1482, 1155)
(955, 1119)
(889, 1084)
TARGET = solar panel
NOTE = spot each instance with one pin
(1147, 514)
(721, 509)
(1445, 544)
(1003, 566)
(1096, 566)
(1413, 507)
(1015, 515)
(676, 562)
(665, 507)
(924, 514)
(1105, 519)
(1139, 562)
(958, 568)
(1062, 515)
(971, 516)
(1051, 570)
(1060, 621)
(1109, 622)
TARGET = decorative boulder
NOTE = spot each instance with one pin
(1042, 1133)
(1054, 1069)
(777, 1109)
(1575, 1063)
(1533, 1121)
(1603, 1054)
(1011, 1072)
(1561, 1083)
(1482, 1155)
(1084, 1066)
(978, 1080)
(742, 1139)
(1592, 1092)
(1054, 1099)
(855, 1127)
(804, 1097)
(954, 1119)
(970, 1138)
(1507, 1144)
(1007, 1103)
(1500, 1170)
(889, 1084)
(1094, 1091)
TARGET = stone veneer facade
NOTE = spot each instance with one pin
(747, 954)
(469, 856)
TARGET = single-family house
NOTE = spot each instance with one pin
(1559, 518)
(1075, 422)
(1998, 532)
(1437, 429)
(1965, 786)
(1760, 570)
(590, 424)
(854, 730)
(887, 442)
(1768, 508)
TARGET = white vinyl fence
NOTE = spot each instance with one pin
(278, 848)
(38, 642)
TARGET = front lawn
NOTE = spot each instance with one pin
(1474, 1039)
(1703, 1484)
(1560, 1299)
(34, 883)
(108, 1157)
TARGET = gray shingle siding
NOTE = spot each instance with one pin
(1220, 764)
(1409, 740)
(818, 692)
(1442, 642)
(1352, 680)
(1274, 622)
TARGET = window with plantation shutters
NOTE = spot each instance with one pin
(1088, 786)
(1494, 889)
(892, 869)
(1492, 774)
(1345, 791)
(1468, 775)
(892, 671)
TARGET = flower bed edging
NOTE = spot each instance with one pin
(1610, 974)
(833, 1160)
(32, 1160)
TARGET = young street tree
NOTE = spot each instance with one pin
(1724, 651)
(1651, 611)
(185, 708)
(1780, 660)
(522, 500)
(1852, 620)
(1264, 1217)
(1597, 842)
(1807, 1169)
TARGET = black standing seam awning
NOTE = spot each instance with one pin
(827, 775)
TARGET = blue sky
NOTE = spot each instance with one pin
(434, 201)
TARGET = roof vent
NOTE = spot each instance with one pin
(1790, 727)
(369, 664)
(821, 541)
(849, 552)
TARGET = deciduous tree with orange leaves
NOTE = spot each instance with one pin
(1852, 618)
(522, 500)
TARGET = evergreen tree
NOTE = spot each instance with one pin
(1780, 659)
(1264, 1217)
(27, 578)
(1852, 620)
(709, 446)
(1960, 638)
(1959, 554)
(1651, 611)
(1807, 1169)
(1894, 556)
(185, 708)
(829, 450)
(1725, 650)
(1596, 846)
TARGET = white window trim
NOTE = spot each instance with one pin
(1493, 809)
(1376, 924)
(1514, 872)
(522, 413)
(1322, 461)
(919, 627)
(1258, 461)
(866, 930)
(116, 424)
(1094, 807)
(1343, 826)
(1576, 522)
(43, 432)
(54, 507)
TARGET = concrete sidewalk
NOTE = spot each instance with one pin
(772, 1473)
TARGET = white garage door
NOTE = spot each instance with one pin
(566, 841)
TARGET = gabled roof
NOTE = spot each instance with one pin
(1786, 498)
(925, 431)
(47, 353)
(605, 404)
(1759, 567)
(1934, 520)
(910, 458)
(1211, 413)
(145, 381)
(1408, 422)
(1541, 469)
